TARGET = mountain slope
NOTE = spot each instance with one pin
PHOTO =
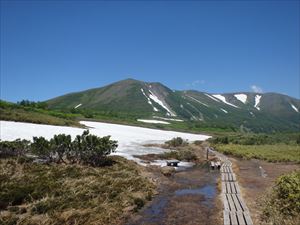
(243, 110)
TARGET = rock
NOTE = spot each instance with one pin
(167, 170)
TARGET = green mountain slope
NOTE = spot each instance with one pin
(245, 111)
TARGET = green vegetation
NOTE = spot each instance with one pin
(279, 147)
(256, 139)
(282, 204)
(271, 153)
(35, 113)
(33, 193)
(175, 142)
(180, 150)
(85, 149)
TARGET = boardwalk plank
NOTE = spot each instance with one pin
(240, 217)
(237, 203)
(233, 190)
(226, 205)
(233, 218)
(226, 217)
(231, 203)
(245, 208)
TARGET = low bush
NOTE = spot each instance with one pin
(176, 142)
(282, 204)
(85, 149)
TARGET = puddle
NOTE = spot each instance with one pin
(208, 191)
(183, 198)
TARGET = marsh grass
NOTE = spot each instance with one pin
(270, 153)
(70, 194)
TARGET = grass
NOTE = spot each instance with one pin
(14, 112)
(272, 153)
(70, 194)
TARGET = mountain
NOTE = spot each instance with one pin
(242, 110)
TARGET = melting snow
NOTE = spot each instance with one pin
(130, 139)
(149, 101)
(295, 108)
(223, 99)
(257, 101)
(241, 97)
(152, 121)
(224, 110)
(77, 106)
(169, 119)
(197, 100)
(158, 101)
(212, 97)
(181, 165)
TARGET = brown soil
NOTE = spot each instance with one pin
(175, 204)
(255, 181)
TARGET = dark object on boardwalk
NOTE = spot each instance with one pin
(215, 165)
(173, 163)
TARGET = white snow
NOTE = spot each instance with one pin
(223, 99)
(169, 119)
(152, 121)
(252, 114)
(224, 110)
(295, 108)
(212, 97)
(130, 139)
(77, 106)
(149, 101)
(241, 97)
(197, 100)
(257, 101)
(181, 165)
(158, 101)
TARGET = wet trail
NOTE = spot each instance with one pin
(189, 197)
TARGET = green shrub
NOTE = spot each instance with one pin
(176, 142)
(282, 204)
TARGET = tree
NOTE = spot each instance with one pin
(61, 145)
(42, 148)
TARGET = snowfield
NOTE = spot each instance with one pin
(241, 97)
(295, 108)
(223, 99)
(130, 139)
(257, 101)
(152, 121)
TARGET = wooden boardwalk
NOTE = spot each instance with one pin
(235, 210)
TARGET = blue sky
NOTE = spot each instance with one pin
(49, 48)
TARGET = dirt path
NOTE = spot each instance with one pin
(256, 177)
(188, 197)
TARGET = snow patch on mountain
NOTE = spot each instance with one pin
(295, 108)
(223, 99)
(77, 106)
(152, 121)
(212, 97)
(257, 101)
(197, 100)
(224, 110)
(168, 119)
(241, 97)
(149, 101)
(158, 101)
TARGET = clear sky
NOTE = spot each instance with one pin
(50, 48)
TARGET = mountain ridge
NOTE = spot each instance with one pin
(251, 111)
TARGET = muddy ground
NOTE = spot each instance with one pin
(255, 178)
(187, 197)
